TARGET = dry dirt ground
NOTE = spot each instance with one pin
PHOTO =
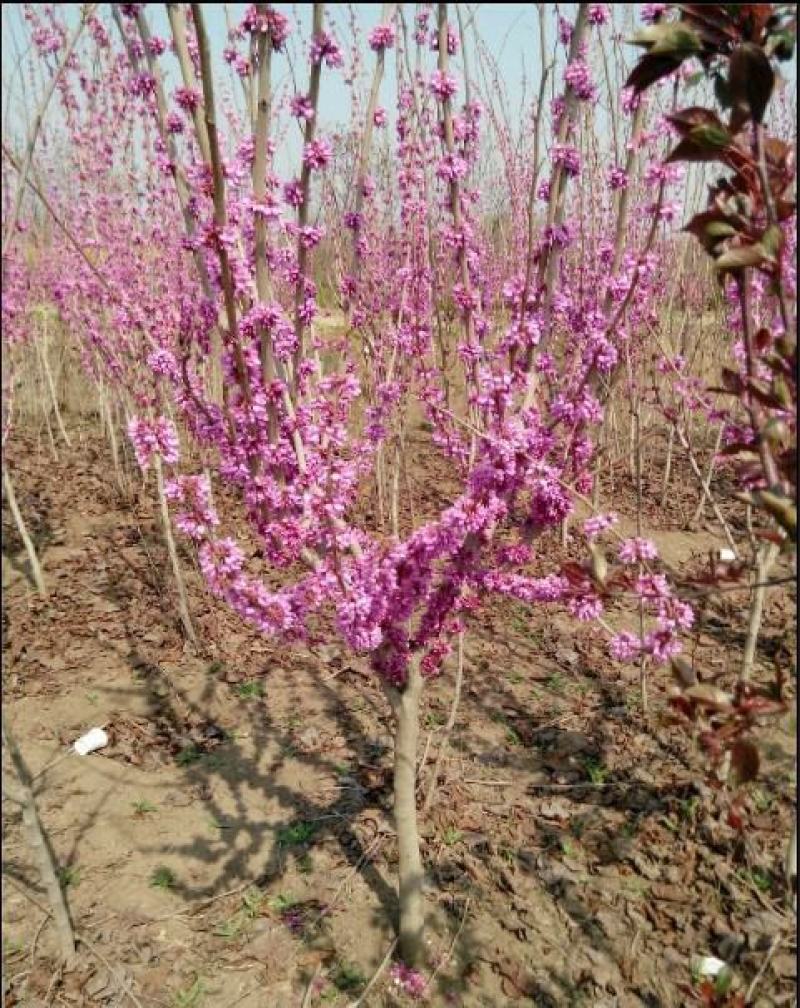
(232, 845)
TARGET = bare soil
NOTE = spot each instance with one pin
(233, 844)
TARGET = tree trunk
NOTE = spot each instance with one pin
(183, 602)
(30, 549)
(20, 792)
(764, 562)
(406, 710)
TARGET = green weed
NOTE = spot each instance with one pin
(347, 977)
(190, 997)
(188, 755)
(163, 878)
(296, 834)
(250, 690)
(69, 876)
(142, 807)
(595, 770)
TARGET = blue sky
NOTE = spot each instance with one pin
(509, 31)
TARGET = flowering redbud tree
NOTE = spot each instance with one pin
(191, 280)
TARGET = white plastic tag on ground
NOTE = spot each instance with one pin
(94, 739)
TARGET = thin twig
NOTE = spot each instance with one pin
(34, 943)
(448, 728)
(55, 979)
(384, 963)
(588, 784)
(123, 986)
(197, 904)
(446, 958)
(490, 783)
(310, 989)
(763, 968)
(20, 889)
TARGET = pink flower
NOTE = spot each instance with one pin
(598, 14)
(568, 158)
(624, 647)
(662, 645)
(317, 154)
(651, 12)
(379, 117)
(451, 168)
(578, 77)
(324, 47)
(151, 438)
(293, 193)
(633, 550)
(585, 607)
(565, 29)
(443, 85)
(630, 100)
(452, 40)
(275, 24)
(410, 981)
(381, 37)
(652, 586)
(175, 123)
(311, 236)
(301, 107)
(189, 99)
(593, 526)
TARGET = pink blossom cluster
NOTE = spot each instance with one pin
(568, 157)
(154, 437)
(324, 47)
(381, 37)
(410, 981)
(599, 14)
(443, 85)
(189, 99)
(301, 107)
(452, 40)
(272, 22)
(317, 154)
(578, 76)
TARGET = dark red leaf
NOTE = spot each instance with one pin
(750, 79)
(762, 339)
(741, 257)
(735, 819)
(745, 762)
(731, 380)
(712, 22)
(691, 151)
(752, 19)
(769, 536)
(650, 69)
(684, 120)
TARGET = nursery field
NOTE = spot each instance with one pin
(233, 844)
(399, 505)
